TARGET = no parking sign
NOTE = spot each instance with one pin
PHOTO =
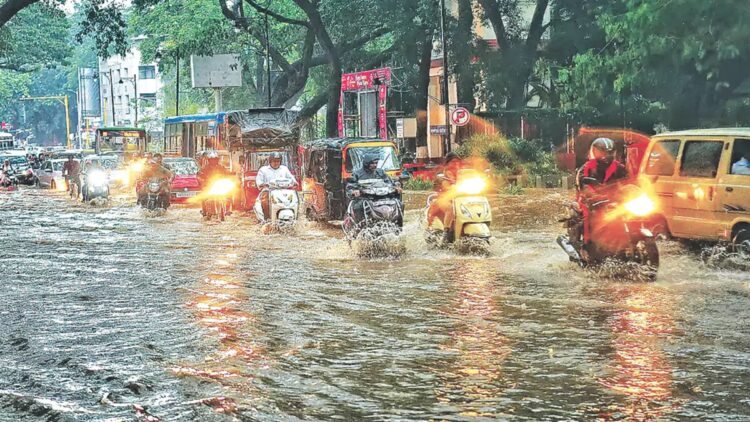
(460, 116)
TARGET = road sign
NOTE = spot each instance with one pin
(460, 116)
(217, 71)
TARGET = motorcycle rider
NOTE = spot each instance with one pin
(267, 174)
(441, 208)
(212, 170)
(605, 170)
(72, 172)
(5, 173)
(368, 171)
(155, 170)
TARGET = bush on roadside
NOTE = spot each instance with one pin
(417, 183)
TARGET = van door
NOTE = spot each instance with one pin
(734, 185)
(695, 191)
(660, 167)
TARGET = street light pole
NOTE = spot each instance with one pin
(446, 96)
(111, 95)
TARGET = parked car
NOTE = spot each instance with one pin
(702, 181)
(185, 184)
(50, 175)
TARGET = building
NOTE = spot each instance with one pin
(131, 91)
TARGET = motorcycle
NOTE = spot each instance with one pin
(217, 199)
(8, 180)
(468, 215)
(96, 186)
(283, 204)
(617, 230)
(382, 210)
(155, 199)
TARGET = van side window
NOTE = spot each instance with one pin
(662, 159)
(741, 157)
(701, 158)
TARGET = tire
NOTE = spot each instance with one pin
(647, 256)
(52, 185)
(742, 242)
(221, 211)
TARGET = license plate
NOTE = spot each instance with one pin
(185, 194)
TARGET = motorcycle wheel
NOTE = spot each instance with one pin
(647, 255)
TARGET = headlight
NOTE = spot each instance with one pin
(471, 186)
(221, 187)
(154, 186)
(640, 206)
(97, 178)
(137, 166)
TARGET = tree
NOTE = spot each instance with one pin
(512, 64)
(679, 62)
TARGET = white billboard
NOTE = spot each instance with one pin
(217, 71)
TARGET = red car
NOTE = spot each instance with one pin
(185, 183)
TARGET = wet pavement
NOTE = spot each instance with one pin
(112, 314)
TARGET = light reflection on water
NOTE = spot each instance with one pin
(199, 321)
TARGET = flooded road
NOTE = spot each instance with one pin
(109, 314)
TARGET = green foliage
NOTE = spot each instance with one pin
(513, 156)
(513, 190)
(417, 183)
(678, 62)
(37, 37)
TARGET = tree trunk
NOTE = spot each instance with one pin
(11, 7)
(463, 48)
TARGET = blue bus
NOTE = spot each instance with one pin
(185, 136)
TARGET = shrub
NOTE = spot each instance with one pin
(514, 190)
(417, 183)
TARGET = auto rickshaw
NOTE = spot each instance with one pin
(328, 165)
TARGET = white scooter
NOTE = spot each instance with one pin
(283, 204)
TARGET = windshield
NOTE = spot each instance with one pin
(15, 160)
(107, 163)
(183, 167)
(387, 155)
(57, 166)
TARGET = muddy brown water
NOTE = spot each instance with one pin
(110, 314)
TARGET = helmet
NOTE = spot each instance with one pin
(211, 154)
(274, 157)
(602, 149)
(450, 157)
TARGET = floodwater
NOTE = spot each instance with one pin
(109, 314)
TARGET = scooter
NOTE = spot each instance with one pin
(216, 199)
(96, 186)
(382, 210)
(283, 204)
(8, 181)
(617, 230)
(468, 215)
(154, 198)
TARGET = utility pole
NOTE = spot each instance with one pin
(111, 95)
(268, 58)
(446, 96)
(64, 100)
(177, 88)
